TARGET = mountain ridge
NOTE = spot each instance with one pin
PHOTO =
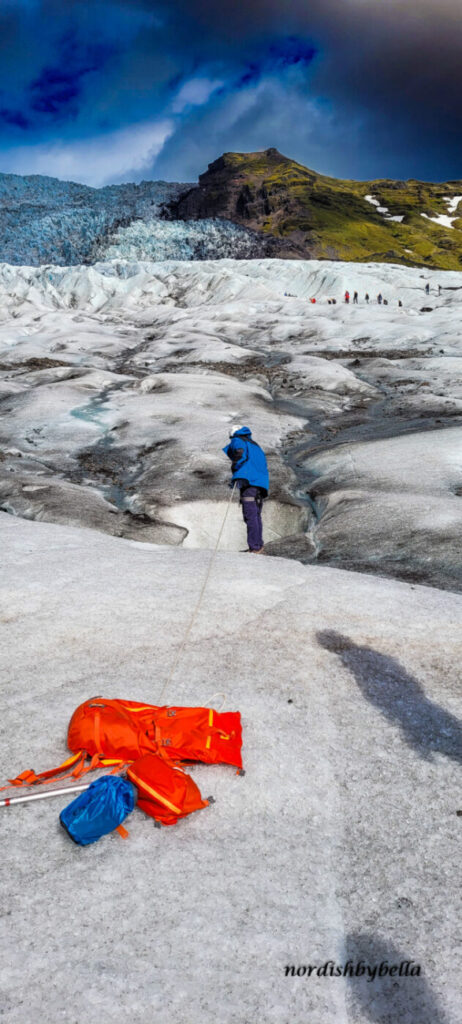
(304, 214)
(245, 205)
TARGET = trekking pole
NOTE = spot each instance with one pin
(199, 599)
(10, 800)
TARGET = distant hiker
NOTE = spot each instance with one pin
(366, 297)
(379, 299)
(334, 302)
(347, 297)
(385, 302)
(439, 289)
(427, 289)
(399, 302)
(355, 297)
(250, 473)
(329, 302)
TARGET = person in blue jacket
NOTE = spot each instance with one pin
(250, 473)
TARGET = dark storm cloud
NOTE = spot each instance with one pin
(359, 88)
(58, 87)
(394, 64)
(14, 117)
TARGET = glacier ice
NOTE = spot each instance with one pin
(120, 381)
(347, 724)
(44, 220)
(118, 385)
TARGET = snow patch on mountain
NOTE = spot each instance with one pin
(440, 218)
(383, 209)
(452, 203)
(443, 218)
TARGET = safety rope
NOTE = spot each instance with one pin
(199, 600)
(211, 701)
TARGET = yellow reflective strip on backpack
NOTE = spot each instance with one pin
(154, 793)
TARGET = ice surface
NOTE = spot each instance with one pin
(118, 385)
(394, 500)
(120, 382)
(340, 841)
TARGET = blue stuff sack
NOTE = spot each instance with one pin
(99, 809)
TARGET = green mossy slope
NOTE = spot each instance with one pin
(309, 214)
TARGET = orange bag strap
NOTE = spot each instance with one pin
(145, 707)
(216, 731)
(73, 767)
(97, 725)
(29, 778)
(97, 761)
(112, 762)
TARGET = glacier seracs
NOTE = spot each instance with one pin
(44, 220)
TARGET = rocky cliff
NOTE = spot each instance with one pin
(302, 214)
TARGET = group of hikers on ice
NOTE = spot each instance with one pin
(346, 298)
(380, 299)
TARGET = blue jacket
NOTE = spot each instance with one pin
(248, 460)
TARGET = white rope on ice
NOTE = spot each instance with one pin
(199, 600)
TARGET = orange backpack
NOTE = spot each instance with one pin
(126, 729)
(113, 733)
(165, 792)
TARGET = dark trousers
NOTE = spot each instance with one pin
(251, 503)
